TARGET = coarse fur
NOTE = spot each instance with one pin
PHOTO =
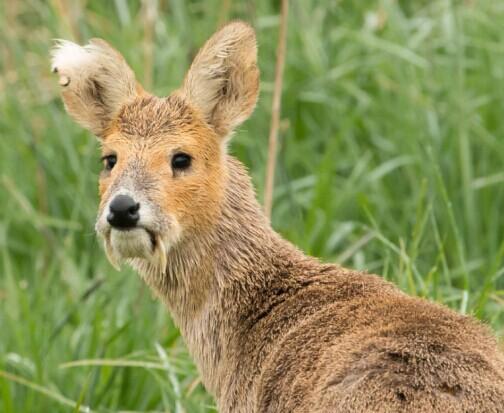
(270, 329)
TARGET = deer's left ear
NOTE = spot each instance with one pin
(96, 82)
(223, 80)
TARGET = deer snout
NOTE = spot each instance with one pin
(123, 212)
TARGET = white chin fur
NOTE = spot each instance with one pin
(134, 243)
(138, 245)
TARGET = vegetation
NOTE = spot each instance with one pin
(390, 159)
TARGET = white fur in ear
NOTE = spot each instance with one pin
(96, 82)
(67, 57)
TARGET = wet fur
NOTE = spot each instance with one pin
(271, 329)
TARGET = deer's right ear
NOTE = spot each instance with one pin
(96, 82)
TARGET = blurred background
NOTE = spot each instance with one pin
(390, 160)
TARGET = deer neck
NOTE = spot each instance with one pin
(231, 260)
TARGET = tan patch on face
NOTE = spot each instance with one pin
(147, 134)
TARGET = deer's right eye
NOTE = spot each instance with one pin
(109, 162)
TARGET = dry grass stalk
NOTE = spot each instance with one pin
(150, 11)
(275, 110)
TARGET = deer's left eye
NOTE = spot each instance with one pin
(109, 162)
(180, 161)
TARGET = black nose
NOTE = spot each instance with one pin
(123, 212)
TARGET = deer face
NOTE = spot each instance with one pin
(161, 180)
(163, 171)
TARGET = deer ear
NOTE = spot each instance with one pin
(223, 80)
(96, 82)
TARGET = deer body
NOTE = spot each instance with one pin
(270, 329)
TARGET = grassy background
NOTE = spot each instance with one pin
(391, 160)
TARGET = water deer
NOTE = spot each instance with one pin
(270, 328)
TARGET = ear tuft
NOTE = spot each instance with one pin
(223, 80)
(96, 82)
(68, 56)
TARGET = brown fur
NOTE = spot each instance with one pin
(271, 329)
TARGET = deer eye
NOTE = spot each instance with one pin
(180, 161)
(109, 162)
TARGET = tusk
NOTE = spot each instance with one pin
(162, 252)
(111, 256)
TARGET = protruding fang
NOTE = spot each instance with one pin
(111, 256)
(162, 254)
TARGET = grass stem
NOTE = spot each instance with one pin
(275, 110)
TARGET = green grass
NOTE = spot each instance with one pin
(391, 160)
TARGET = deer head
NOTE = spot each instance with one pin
(163, 170)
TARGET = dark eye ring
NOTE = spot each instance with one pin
(181, 161)
(109, 161)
